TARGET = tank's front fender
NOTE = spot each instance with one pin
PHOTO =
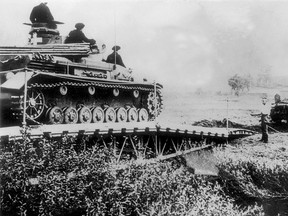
(17, 81)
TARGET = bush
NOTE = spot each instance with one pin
(253, 173)
(44, 177)
(239, 83)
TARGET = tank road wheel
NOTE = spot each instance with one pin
(121, 115)
(55, 115)
(116, 92)
(132, 114)
(98, 115)
(143, 115)
(63, 90)
(70, 115)
(91, 90)
(136, 93)
(85, 115)
(35, 104)
(110, 114)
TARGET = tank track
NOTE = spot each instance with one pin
(18, 100)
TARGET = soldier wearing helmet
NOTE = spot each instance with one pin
(77, 36)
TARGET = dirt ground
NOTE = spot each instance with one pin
(189, 107)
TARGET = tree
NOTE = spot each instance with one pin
(238, 83)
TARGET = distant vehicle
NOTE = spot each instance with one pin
(279, 110)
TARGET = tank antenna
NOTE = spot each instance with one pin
(115, 34)
(155, 100)
(25, 98)
(227, 118)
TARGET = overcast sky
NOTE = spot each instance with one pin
(182, 43)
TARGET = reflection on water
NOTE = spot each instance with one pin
(203, 162)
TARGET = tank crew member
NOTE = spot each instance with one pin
(77, 36)
(41, 14)
(114, 57)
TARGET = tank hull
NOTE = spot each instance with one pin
(126, 101)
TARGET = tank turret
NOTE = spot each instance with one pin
(44, 33)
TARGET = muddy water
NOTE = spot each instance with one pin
(203, 162)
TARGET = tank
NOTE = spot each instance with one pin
(279, 110)
(56, 83)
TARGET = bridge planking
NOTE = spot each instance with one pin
(37, 131)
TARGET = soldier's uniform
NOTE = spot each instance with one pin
(41, 14)
(265, 111)
(77, 36)
(115, 58)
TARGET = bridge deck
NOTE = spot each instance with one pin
(123, 128)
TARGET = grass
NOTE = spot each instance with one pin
(43, 177)
(251, 171)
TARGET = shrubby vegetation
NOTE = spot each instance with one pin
(256, 173)
(54, 178)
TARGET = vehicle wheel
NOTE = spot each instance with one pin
(132, 114)
(55, 115)
(116, 92)
(85, 115)
(136, 93)
(63, 90)
(91, 90)
(110, 114)
(70, 115)
(35, 104)
(121, 115)
(143, 115)
(97, 115)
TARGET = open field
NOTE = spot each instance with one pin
(257, 168)
(189, 107)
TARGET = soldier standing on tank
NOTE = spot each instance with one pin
(41, 14)
(77, 36)
(114, 57)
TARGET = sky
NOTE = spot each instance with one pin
(184, 44)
